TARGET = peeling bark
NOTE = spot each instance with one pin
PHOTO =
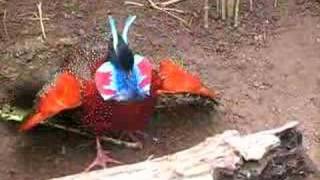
(268, 155)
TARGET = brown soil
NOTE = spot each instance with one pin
(266, 71)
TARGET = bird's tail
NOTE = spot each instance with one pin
(63, 94)
(174, 79)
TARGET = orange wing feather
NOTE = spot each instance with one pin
(63, 94)
(174, 79)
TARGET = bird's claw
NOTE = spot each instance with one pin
(102, 160)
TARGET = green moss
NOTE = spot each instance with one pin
(10, 113)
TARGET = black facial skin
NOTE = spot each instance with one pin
(125, 57)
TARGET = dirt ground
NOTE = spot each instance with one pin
(266, 71)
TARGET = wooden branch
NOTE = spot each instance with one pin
(261, 155)
(14, 113)
(154, 6)
(275, 3)
(10, 113)
(162, 9)
(174, 10)
(166, 10)
(37, 18)
(167, 3)
(218, 6)
(4, 22)
(223, 9)
(41, 20)
(230, 8)
(236, 13)
(206, 13)
(132, 145)
(133, 3)
(251, 5)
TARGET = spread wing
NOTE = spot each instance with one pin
(175, 79)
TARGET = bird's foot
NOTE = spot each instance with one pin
(102, 158)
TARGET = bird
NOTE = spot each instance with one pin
(116, 89)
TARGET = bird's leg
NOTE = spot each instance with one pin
(102, 158)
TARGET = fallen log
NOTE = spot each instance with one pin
(268, 155)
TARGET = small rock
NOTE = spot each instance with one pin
(315, 101)
(29, 56)
(81, 31)
(276, 110)
(66, 15)
(78, 15)
(258, 37)
(68, 41)
(256, 84)
(11, 172)
(261, 85)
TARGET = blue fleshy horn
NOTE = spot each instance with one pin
(114, 32)
(130, 19)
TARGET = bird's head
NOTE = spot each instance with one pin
(121, 53)
(125, 76)
(125, 57)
